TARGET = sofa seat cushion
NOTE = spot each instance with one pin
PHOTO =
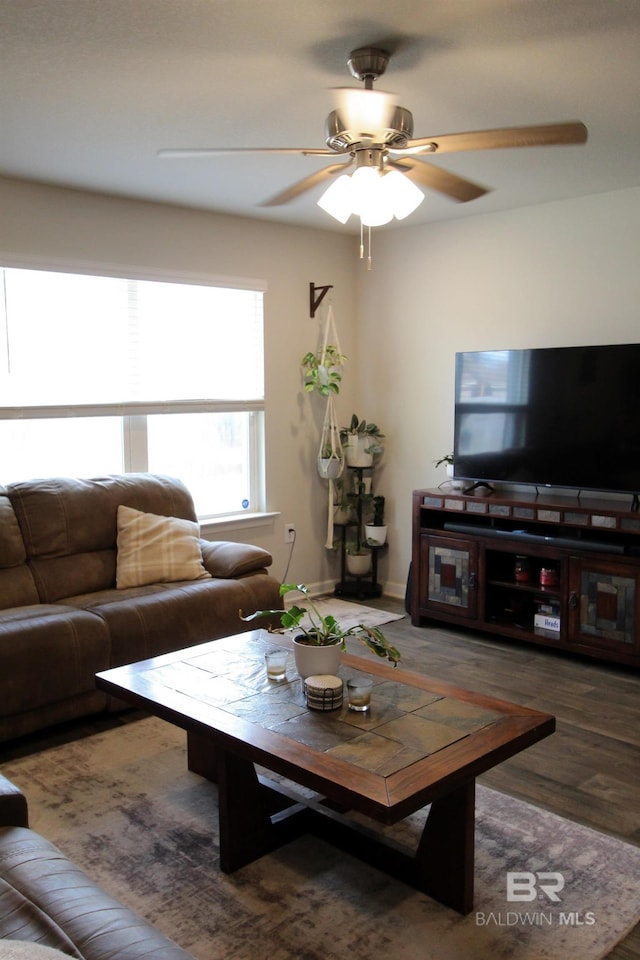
(49, 653)
(154, 549)
(46, 898)
(147, 621)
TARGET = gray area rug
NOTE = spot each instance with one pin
(347, 614)
(123, 805)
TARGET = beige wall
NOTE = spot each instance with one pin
(43, 225)
(553, 275)
(557, 274)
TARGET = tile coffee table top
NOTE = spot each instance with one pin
(405, 724)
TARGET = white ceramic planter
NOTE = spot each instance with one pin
(375, 535)
(311, 660)
(358, 564)
(330, 468)
(355, 450)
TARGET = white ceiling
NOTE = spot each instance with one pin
(91, 89)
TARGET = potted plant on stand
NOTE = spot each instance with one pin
(360, 442)
(375, 532)
(319, 645)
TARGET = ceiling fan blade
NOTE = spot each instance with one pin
(441, 180)
(306, 184)
(186, 152)
(546, 135)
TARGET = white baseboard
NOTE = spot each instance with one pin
(396, 591)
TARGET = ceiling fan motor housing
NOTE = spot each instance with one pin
(368, 63)
(339, 138)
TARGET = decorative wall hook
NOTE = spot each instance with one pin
(315, 301)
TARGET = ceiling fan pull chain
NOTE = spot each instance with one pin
(369, 257)
(361, 241)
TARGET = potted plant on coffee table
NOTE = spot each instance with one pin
(318, 647)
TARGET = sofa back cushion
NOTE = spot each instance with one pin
(17, 586)
(69, 526)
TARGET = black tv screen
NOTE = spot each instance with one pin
(560, 417)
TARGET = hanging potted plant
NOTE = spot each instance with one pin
(360, 442)
(330, 454)
(330, 465)
(318, 647)
(375, 532)
(323, 371)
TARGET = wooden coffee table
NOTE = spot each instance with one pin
(423, 742)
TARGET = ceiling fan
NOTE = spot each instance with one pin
(375, 133)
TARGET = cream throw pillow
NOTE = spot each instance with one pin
(153, 549)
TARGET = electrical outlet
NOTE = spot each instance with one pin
(289, 532)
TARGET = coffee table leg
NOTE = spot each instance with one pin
(445, 854)
(244, 826)
(254, 820)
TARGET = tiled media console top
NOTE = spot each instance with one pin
(600, 515)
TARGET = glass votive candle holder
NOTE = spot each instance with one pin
(276, 661)
(359, 693)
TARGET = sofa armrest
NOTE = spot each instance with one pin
(228, 560)
(13, 805)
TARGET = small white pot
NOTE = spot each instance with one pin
(375, 536)
(311, 660)
(456, 484)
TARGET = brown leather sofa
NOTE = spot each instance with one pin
(46, 899)
(63, 617)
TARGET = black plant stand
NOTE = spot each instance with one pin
(359, 587)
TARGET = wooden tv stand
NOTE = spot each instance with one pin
(559, 571)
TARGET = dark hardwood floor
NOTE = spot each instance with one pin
(588, 771)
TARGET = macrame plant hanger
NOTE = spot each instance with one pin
(330, 453)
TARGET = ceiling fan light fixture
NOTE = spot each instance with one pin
(337, 199)
(404, 196)
(374, 196)
(370, 200)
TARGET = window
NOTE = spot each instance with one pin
(109, 375)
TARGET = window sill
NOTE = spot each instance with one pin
(213, 528)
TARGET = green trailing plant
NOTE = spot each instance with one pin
(329, 451)
(326, 631)
(356, 548)
(448, 458)
(323, 371)
(361, 428)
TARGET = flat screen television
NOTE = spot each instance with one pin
(553, 417)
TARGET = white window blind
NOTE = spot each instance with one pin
(169, 374)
